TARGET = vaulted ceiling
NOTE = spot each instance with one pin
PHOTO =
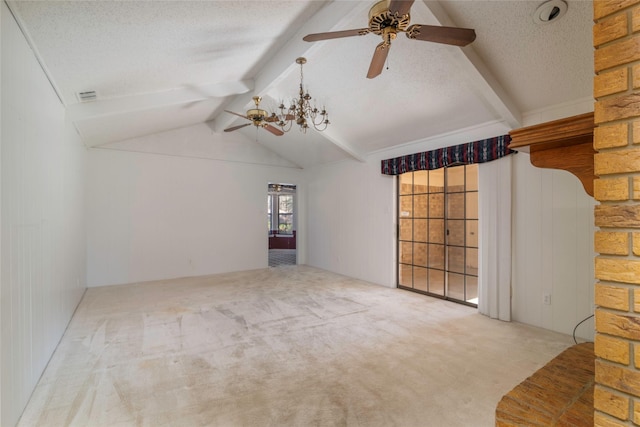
(169, 69)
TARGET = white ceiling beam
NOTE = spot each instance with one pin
(331, 17)
(480, 78)
(347, 148)
(146, 101)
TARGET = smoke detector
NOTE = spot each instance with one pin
(549, 11)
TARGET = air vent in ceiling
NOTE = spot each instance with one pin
(87, 95)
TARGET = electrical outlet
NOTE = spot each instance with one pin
(546, 299)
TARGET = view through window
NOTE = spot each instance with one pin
(280, 205)
(438, 232)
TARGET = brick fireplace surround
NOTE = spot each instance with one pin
(616, 89)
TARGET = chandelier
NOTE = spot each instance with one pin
(301, 112)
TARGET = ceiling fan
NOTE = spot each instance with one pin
(389, 17)
(259, 118)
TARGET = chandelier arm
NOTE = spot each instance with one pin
(301, 112)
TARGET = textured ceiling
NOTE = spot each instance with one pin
(163, 68)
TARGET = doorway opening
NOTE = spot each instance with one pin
(438, 233)
(281, 224)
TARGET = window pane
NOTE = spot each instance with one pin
(406, 183)
(456, 286)
(285, 203)
(472, 205)
(420, 182)
(472, 233)
(472, 289)
(436, 256)
(455, 259)
(285, 222)
(420, 254)
(406, 256)
(406, 206)
(405, 275)
(436, 281)
(456, 232)
(406, 229)
(420, 206)
(455, 179)
(420, 278)
(455, 205)
(472, 177)
(436, 205)
(472, 261)
(436, 181)
(420, 230)
(436, 231)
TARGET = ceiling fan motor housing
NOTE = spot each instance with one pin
(380, 18)
(257, 114)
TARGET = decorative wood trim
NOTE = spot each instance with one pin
(565, 144)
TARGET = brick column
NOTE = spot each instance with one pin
(616, 37)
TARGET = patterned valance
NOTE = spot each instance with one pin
(481, 151)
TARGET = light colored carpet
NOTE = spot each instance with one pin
(289, 346)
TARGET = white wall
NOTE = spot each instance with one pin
(552, 232)
(155, 216)
(351, 221)
(42, 216)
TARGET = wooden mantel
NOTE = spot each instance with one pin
(561, 144)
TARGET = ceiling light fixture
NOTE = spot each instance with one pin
(549, 11)
(301, 112)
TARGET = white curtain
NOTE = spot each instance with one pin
(494, 281)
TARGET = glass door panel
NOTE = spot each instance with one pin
(455, 286)
(436, 282)
(455, 205)
(436, 205)
(455, 259)
(471, 263)
(438, 232)
(421, 203)
(420, 254)
(471, 208)
(406, 183)
(472, 232)
(405, 278)
(420, 230)
(406, 206)
(455, 232)
(471, 183)
(462, 233)
(436, 256)
(406, 229)
(455, 179)
(472, 289)
(406, 254)
(420, 182)
(420, 278)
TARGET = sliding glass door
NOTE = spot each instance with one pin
(438, 233)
